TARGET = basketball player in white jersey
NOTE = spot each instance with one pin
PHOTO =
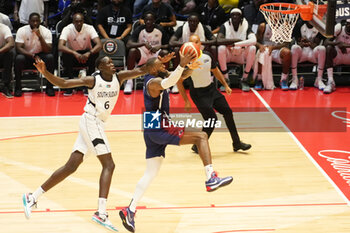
(280, 54)
(103, 90)
(337, 52)
(146, 41)
(308, 48)
(237, 44)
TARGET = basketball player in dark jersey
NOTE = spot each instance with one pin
(156, 98)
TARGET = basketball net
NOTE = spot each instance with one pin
(282, 19)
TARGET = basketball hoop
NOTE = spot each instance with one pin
(282, 18)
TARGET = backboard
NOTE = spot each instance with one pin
(323, 15)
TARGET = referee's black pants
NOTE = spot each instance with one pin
(209, 98)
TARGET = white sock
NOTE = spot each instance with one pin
(330, 75)
(102, 203)
(284, 76)
(209, 170)
(38, 193)
(152, 168)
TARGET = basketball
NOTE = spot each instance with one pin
(190, 46)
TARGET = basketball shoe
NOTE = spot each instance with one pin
(127, 217)
(28, 203)
(103, 220)
(284, 85)
(216, 182)
(319, 84)
(329, 88)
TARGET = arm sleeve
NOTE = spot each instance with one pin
(173, 78)
(245, 43)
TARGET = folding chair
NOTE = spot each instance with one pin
(116, 50)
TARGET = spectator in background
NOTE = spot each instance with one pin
(33, 40)
(24, 8)
(183, 33)
(236, 44)
(6, 6)
(77, 6)
(227, 5)
(76, 47)
(211, 14)
(253, 15)
(146, 42)
(269, 51)
(7, 44)
(183, 7)
(4, 19)
(308, 48)
(165, 17)
(128, 3)
(139, 5)
(115, 21)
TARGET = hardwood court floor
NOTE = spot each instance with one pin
(276, 187)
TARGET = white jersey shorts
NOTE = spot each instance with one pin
(92, 138)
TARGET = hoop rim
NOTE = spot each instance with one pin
(296, 7)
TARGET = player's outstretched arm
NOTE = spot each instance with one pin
(87, 81)
(132, 74)
(158, 84)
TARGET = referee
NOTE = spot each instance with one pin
(207, 98)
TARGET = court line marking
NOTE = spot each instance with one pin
(93, 185)
(182, 207)
(120, 114)
(246, 230)
(300, 145)
(116, 130)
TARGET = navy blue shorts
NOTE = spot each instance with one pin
(157, 140)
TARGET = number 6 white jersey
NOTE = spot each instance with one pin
(102, 97)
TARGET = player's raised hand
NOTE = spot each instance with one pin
(185, 59)
(167, 57)
(195, 65)
(40, 64)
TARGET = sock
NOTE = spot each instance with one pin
(102, 202)
(259, 76)
(209, 170)
(38, 193)
(132, 206)
(330, 75)
(152, 168)
(284, 76)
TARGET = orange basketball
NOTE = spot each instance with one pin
(190, 46)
